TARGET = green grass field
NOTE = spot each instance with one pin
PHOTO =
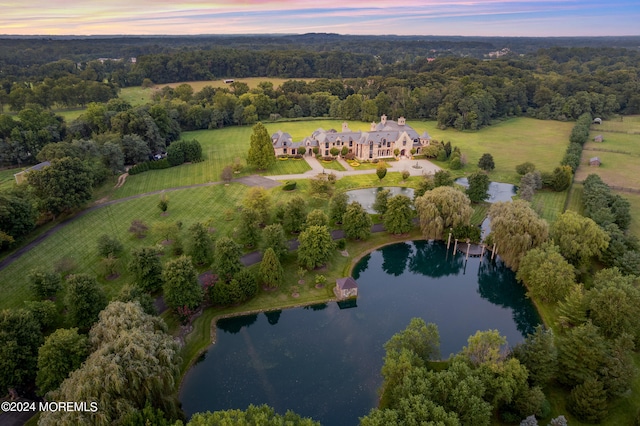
(136, 95)
(6, 178)
(634, 199)
(252, 82)
(627, 124)
(510, 142)
(574, 201)
(549, 204)
(77, 241)
(620, 157)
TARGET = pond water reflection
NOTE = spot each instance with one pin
(367, 196)
(324, 362)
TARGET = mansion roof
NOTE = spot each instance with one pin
(385, 131)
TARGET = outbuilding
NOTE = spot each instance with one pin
(594, 161)
(346, 288)
(21, 176)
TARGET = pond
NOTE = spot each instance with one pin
(324, 362)
(498, 191)
(367, 196)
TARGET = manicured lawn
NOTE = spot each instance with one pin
(575, 198)
(77, 241)
(510, 142)
(332, 165)
(549, 204)
(220, 148)
(252, 82)
(479, 213)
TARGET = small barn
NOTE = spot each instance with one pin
(594, 161)
(346, 288)
(21, 176)
(597, 121)
(598, 139)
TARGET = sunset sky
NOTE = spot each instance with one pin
(403, 17)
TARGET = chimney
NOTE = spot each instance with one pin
(345, 127)
(373, 126)
(383, 119)
(401, 121)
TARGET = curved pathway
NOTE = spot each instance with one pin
(426, 167)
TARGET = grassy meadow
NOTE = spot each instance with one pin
(620, 157)
(6, 178)
(510, 142)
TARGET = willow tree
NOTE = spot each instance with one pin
(441, 208)
(134, 363)
(547, 275)
(516, 229)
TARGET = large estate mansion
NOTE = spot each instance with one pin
(379, 142)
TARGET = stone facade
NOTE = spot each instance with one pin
(379, 142)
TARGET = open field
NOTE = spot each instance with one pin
(623, 124)
(634, 199)
(510, 142)
(77, 241)
(136, 95)
(70, 114)
(620, 157)
(252, 82)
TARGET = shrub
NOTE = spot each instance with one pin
(350, 156)
(341, 244)
(524, 168)
(158, 165)
(139, 228)
(334, 151)
(44, 284)
(302, 150)
(328, 159)
(405, 174)
(344, 151)
(139, 168)
(289, 186)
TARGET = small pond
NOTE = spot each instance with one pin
(498, 191)
(367, 196)
(324, 362)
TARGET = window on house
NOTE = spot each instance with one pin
(284, 150)
(350, 144)
(326, 152)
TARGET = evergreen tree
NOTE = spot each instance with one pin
(316, 247)
(84, 300)
(356, 222)
(572, 311)
(247, 284)
(539, 354)
(45, 284)
(181, 287)
(146, 268)
(588, 401)
(271, 272)
(261, 153)
(273, 237)
(249, 228)
(399, 216)
(478, 189)
(226, 259)
(201, 247)
(581, 354)
(338, 206)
